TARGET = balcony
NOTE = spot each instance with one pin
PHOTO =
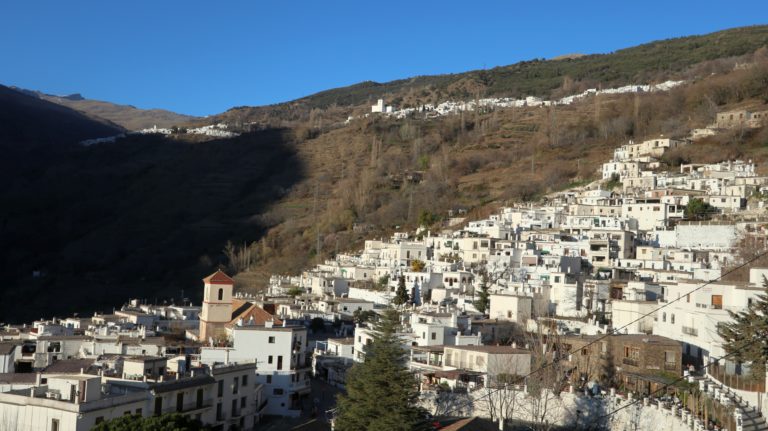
(690, 331)
(671, 366)
(631, 361)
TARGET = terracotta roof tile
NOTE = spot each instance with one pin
(218, 277)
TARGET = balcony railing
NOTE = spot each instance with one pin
(631, 361)
(690, 331)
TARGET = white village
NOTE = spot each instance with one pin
(602, 304)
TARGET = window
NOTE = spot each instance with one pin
(158, 406)
(672, 319)
(509, 314)
(717, 301)
(180, 402)
(277, 391)
(245, 380)
(434, 336)
(269, 379)
(221, 294)
(138, 412)
(669, 357)
(99, 420)
(219, 415)
(234, 408)
(280, 362)
(54, 425)
(271, 340)
(243, 401)
(236, 385)
(269, 359)
(221, 388)
(664, 317)
(199, 403)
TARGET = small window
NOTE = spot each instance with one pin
(434, 336)
(245, 380)
(221, 294)
(277, 391)
(54, 425)
(269, 359)
(221, 388)
(269, 379)
(236, 385)
(271, 340)
(243, 401)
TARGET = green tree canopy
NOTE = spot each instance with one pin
(483, 301)
(167, 422)
(746, 336)
(401, 294)
(381, 393)
(698, 209)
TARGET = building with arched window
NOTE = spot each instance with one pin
(217, 305)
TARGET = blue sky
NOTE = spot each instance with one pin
(202, 58)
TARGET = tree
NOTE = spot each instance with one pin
(401, 294)
(483, 300)
(746, 337)
(167, 422)
(697, 208)
(427, 219)
(363, 316)
(418, 265)
(381, 393)
(295, 291)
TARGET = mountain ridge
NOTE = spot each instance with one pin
(127, 116)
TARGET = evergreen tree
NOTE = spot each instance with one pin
(381, 392)
(401, 294)
(483, 300)
(746, 337)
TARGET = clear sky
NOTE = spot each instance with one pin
(202, 58)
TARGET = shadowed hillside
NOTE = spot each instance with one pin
(126, 116)
(26, 120)
(143, 217)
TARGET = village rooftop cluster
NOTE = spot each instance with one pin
(604, 267)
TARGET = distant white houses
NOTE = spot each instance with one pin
(379, 107)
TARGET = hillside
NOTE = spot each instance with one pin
(651, 62)
(129, 117)
(148, 216)
(28, 120)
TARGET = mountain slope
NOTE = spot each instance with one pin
(651, 62)
(28, 120)
(129, 117)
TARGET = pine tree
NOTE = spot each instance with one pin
(483, 300)
(401, 294)
(746, 337)
(381, 392)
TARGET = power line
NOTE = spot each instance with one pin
(668, 303)
(667, 385)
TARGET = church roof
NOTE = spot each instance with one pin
(218, 277)
(246, 310)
